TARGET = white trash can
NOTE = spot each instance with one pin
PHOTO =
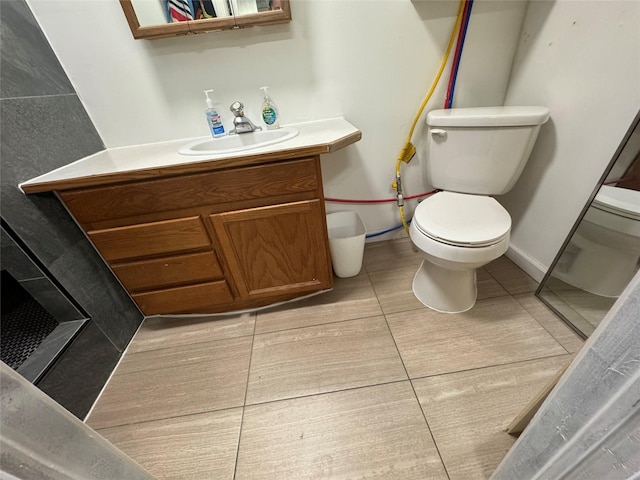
(346, 242)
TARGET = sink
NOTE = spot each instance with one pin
(239, 142)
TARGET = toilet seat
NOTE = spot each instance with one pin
(462, 220)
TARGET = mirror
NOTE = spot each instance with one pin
(152, 19)
(601, 254)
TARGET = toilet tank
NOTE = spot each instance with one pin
(480, 150)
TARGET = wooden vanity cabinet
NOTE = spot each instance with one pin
(217, 240)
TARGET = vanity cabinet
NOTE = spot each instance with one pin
(211, 233)
(221, 239)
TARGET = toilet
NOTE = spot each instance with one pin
(471, 154)
(605, 248)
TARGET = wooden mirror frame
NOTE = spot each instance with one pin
(150, 32)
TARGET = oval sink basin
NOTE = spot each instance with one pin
(239, 142)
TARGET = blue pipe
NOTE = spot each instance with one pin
(377, 234)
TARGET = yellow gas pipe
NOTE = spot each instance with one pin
(409, 150)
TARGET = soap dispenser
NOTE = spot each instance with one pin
(213, 117)
(270, 114)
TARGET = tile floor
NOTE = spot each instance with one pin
(360, 382)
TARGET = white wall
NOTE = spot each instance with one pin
(582, 60)
(370, 61)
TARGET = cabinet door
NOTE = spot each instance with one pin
(276, 250)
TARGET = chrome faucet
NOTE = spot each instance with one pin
(241, 124)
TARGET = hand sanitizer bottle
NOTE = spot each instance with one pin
(213, 117)
(270, 115)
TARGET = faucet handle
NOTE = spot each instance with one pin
(237, 108)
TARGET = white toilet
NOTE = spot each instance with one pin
(471, 153)
(605, 249)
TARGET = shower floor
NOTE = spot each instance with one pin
(24, 323)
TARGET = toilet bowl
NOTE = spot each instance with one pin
(457, 234)
(470, 154)
(605, 249)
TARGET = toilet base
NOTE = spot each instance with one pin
(445, 290)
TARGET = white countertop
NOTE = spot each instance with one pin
(321, 133)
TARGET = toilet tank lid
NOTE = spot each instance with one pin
(488, 117)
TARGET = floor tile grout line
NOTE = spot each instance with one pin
(444, 466)
(466, 370)
(197, 342)
(435, 443)
(498, 282)
(320, 324)
(346, 389)
(417, 308)
(503, 286)
(513, 297)
(375, 293)
(539, 323)
(545, 329)
(172, 417)
(246, 390)
(378, 298)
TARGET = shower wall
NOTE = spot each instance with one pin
(44, 126)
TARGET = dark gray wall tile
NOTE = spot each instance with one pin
(92, 284)
(52, 299)
(76, 379)
(39, 135)
(28, 66)
(40, 221)
(49, 350)
(15, 261)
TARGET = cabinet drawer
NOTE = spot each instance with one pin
(147, 239)
(168, 271)
(211, 188)
(183, 299)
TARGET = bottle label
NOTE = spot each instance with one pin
(215, 123)
(269, 115)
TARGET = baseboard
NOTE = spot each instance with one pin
(526, 263)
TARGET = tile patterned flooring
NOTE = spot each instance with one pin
(360, 382)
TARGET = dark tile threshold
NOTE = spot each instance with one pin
(49, 350)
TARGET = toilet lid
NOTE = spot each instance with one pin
(462, 219)
(620, 201)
